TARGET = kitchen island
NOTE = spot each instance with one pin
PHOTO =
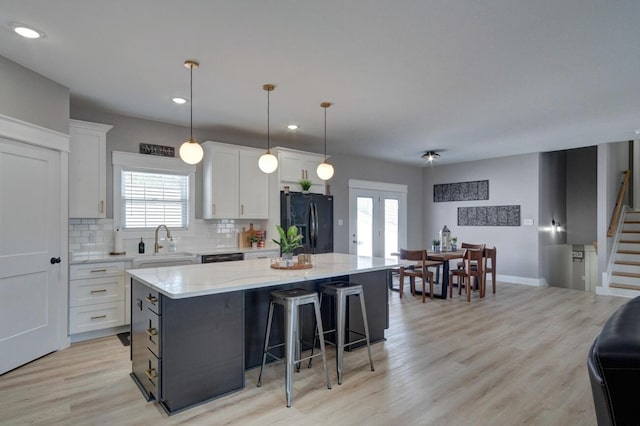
(196, 328)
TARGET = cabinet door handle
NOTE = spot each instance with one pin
(151, 373)
(151, 299)
(152, 331)
(98, 270)
(98, 291)
(99, 317)
(101, 206)
(213, 209)
(306, 174)
(301, 173)
(241, 208)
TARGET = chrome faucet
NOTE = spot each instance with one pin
(156, 245)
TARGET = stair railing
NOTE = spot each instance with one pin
(618, 208)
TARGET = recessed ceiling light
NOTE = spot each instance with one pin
(292, 126)
(26, 31)
(179, 101)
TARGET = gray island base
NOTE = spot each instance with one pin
(195, 329)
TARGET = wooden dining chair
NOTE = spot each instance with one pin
(490, 257)
(418, 270)
(464, 275)
(466, 246)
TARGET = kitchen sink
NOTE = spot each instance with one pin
(164, 259)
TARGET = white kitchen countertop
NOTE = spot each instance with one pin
(179, 282)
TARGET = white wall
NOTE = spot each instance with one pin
(512, 181)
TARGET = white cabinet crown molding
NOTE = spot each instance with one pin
(18, 130)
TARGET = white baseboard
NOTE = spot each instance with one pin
(535, 282)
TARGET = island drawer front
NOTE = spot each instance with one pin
(96, 290)
(152, 301)
(152, 330)
(95, 317)
(95, 270)
(149, 375)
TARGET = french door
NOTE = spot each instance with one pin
(377, 218)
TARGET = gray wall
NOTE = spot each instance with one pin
(512, 181)
(33, 98)
(582, 195)
(555, 266)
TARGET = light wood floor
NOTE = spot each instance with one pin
(516, 357)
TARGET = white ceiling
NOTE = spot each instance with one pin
(470, 79)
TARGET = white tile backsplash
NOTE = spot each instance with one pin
(95, 236)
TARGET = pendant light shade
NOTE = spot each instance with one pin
(268, 163)
(190, 151)
(325, 170)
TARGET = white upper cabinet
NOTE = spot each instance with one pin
(234, 187)
(87, 169)
(294, 165)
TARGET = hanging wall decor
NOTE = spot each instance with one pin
(489, 216)
(461, 191)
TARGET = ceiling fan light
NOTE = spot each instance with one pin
(268, 163)
(325, 171)
(191, 152)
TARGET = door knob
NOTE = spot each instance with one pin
(54, 260)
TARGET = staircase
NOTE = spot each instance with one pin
(625, 267)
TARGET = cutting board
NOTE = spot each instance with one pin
(244, 237)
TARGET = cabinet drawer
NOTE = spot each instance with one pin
(96, 270)
(152, 330)
(147, 370)
(95, 317)
(96, 290)
(152, 301)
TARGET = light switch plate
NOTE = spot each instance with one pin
(528, 222)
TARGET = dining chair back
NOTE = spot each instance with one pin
(419, 270)
(472, 268)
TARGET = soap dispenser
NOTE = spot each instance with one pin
(141, 246)
(172, 245)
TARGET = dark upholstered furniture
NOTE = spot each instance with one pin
(614, 367)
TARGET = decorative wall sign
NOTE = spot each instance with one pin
(489, 216)
(162, 151)
(461, 191)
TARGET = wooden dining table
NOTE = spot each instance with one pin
(444, 257)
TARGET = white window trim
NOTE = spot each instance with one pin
(150, 163)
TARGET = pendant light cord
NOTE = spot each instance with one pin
(268, 129)
(191, 103)
(325, 135)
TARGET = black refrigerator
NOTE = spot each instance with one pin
(313, 215)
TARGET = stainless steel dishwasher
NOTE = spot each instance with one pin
(223, 257)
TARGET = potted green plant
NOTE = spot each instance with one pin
(254, 241)
(436, 246)
(454, 243)
(305, 184)
(289, 241)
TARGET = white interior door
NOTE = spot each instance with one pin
(377, 219)
(29, 239)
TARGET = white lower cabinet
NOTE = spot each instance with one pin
(96, 296)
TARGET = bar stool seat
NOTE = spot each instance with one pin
(291, 300)
(341, 291)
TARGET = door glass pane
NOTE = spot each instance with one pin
(365, 226)
(390, 227)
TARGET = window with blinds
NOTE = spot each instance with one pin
(152, 199)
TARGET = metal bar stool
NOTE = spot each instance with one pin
(340, 291)
(291, 301)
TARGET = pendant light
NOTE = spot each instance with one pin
(268, 162)
(325, 170)
(190, 151)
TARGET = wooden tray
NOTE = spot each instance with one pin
(294, 266)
